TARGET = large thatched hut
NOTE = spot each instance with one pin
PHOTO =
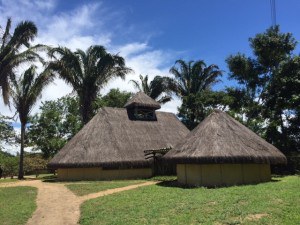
(112, 144)
(222, 151)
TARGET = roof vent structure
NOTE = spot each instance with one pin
(142, 107)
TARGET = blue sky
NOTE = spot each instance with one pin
(151, 35)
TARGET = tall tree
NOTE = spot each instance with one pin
(269, 86)
(160, 88)
(25, 93)
(193, 79)
(87, 72)
(12, 53)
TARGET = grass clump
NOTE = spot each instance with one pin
(88, 187)
(16, 204)
(266, 203)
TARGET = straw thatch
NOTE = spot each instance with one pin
(222, 139)
(112, 140)
(142, 100)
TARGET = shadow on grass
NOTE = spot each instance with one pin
(50, 179)
(176, 184)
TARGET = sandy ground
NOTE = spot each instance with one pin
(57, 205)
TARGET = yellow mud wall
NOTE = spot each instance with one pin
(100, 174)
(222, 174)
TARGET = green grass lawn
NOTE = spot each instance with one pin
(16, 204)
(87, 187)
(276, 202)
(7, 180)
(43, 177)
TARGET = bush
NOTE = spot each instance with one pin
(34, 164)
(9, 166)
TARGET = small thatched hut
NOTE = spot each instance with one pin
(221, 151)
(112, 144)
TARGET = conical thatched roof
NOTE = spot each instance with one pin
(221, 139)
(142, 100)
(111, 139)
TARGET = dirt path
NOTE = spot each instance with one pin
(57, 205)
(115, 190)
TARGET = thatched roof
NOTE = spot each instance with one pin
(221, 139)
(111, 139)
(142, 100)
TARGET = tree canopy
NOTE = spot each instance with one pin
(57, 122)
(87, 72)
(269, 89)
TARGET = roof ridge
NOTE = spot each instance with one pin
(142, 99)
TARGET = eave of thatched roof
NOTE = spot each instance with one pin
(111, 139)
(142, 100)
(221, 139)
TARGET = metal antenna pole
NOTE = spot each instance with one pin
(273, 12)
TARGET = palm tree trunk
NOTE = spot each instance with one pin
(21, 162)
(84, 114)
(86, 110)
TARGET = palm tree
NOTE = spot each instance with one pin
(25, 93)
(156, 88)
(194, 76)
(87, 72)
(192, 79)
(11, 55)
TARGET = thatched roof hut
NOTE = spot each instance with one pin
(221, 140)
(117, 137)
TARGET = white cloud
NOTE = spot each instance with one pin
(65, 26)
(172, 105)
(142, 60)
(132, 48)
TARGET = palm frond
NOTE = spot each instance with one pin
(24, 32)
(12, 54)
(193, 76)
(136, 84)
(164, 99)
(6, 35)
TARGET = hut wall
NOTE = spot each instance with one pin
(222, 174)
(100, 174)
